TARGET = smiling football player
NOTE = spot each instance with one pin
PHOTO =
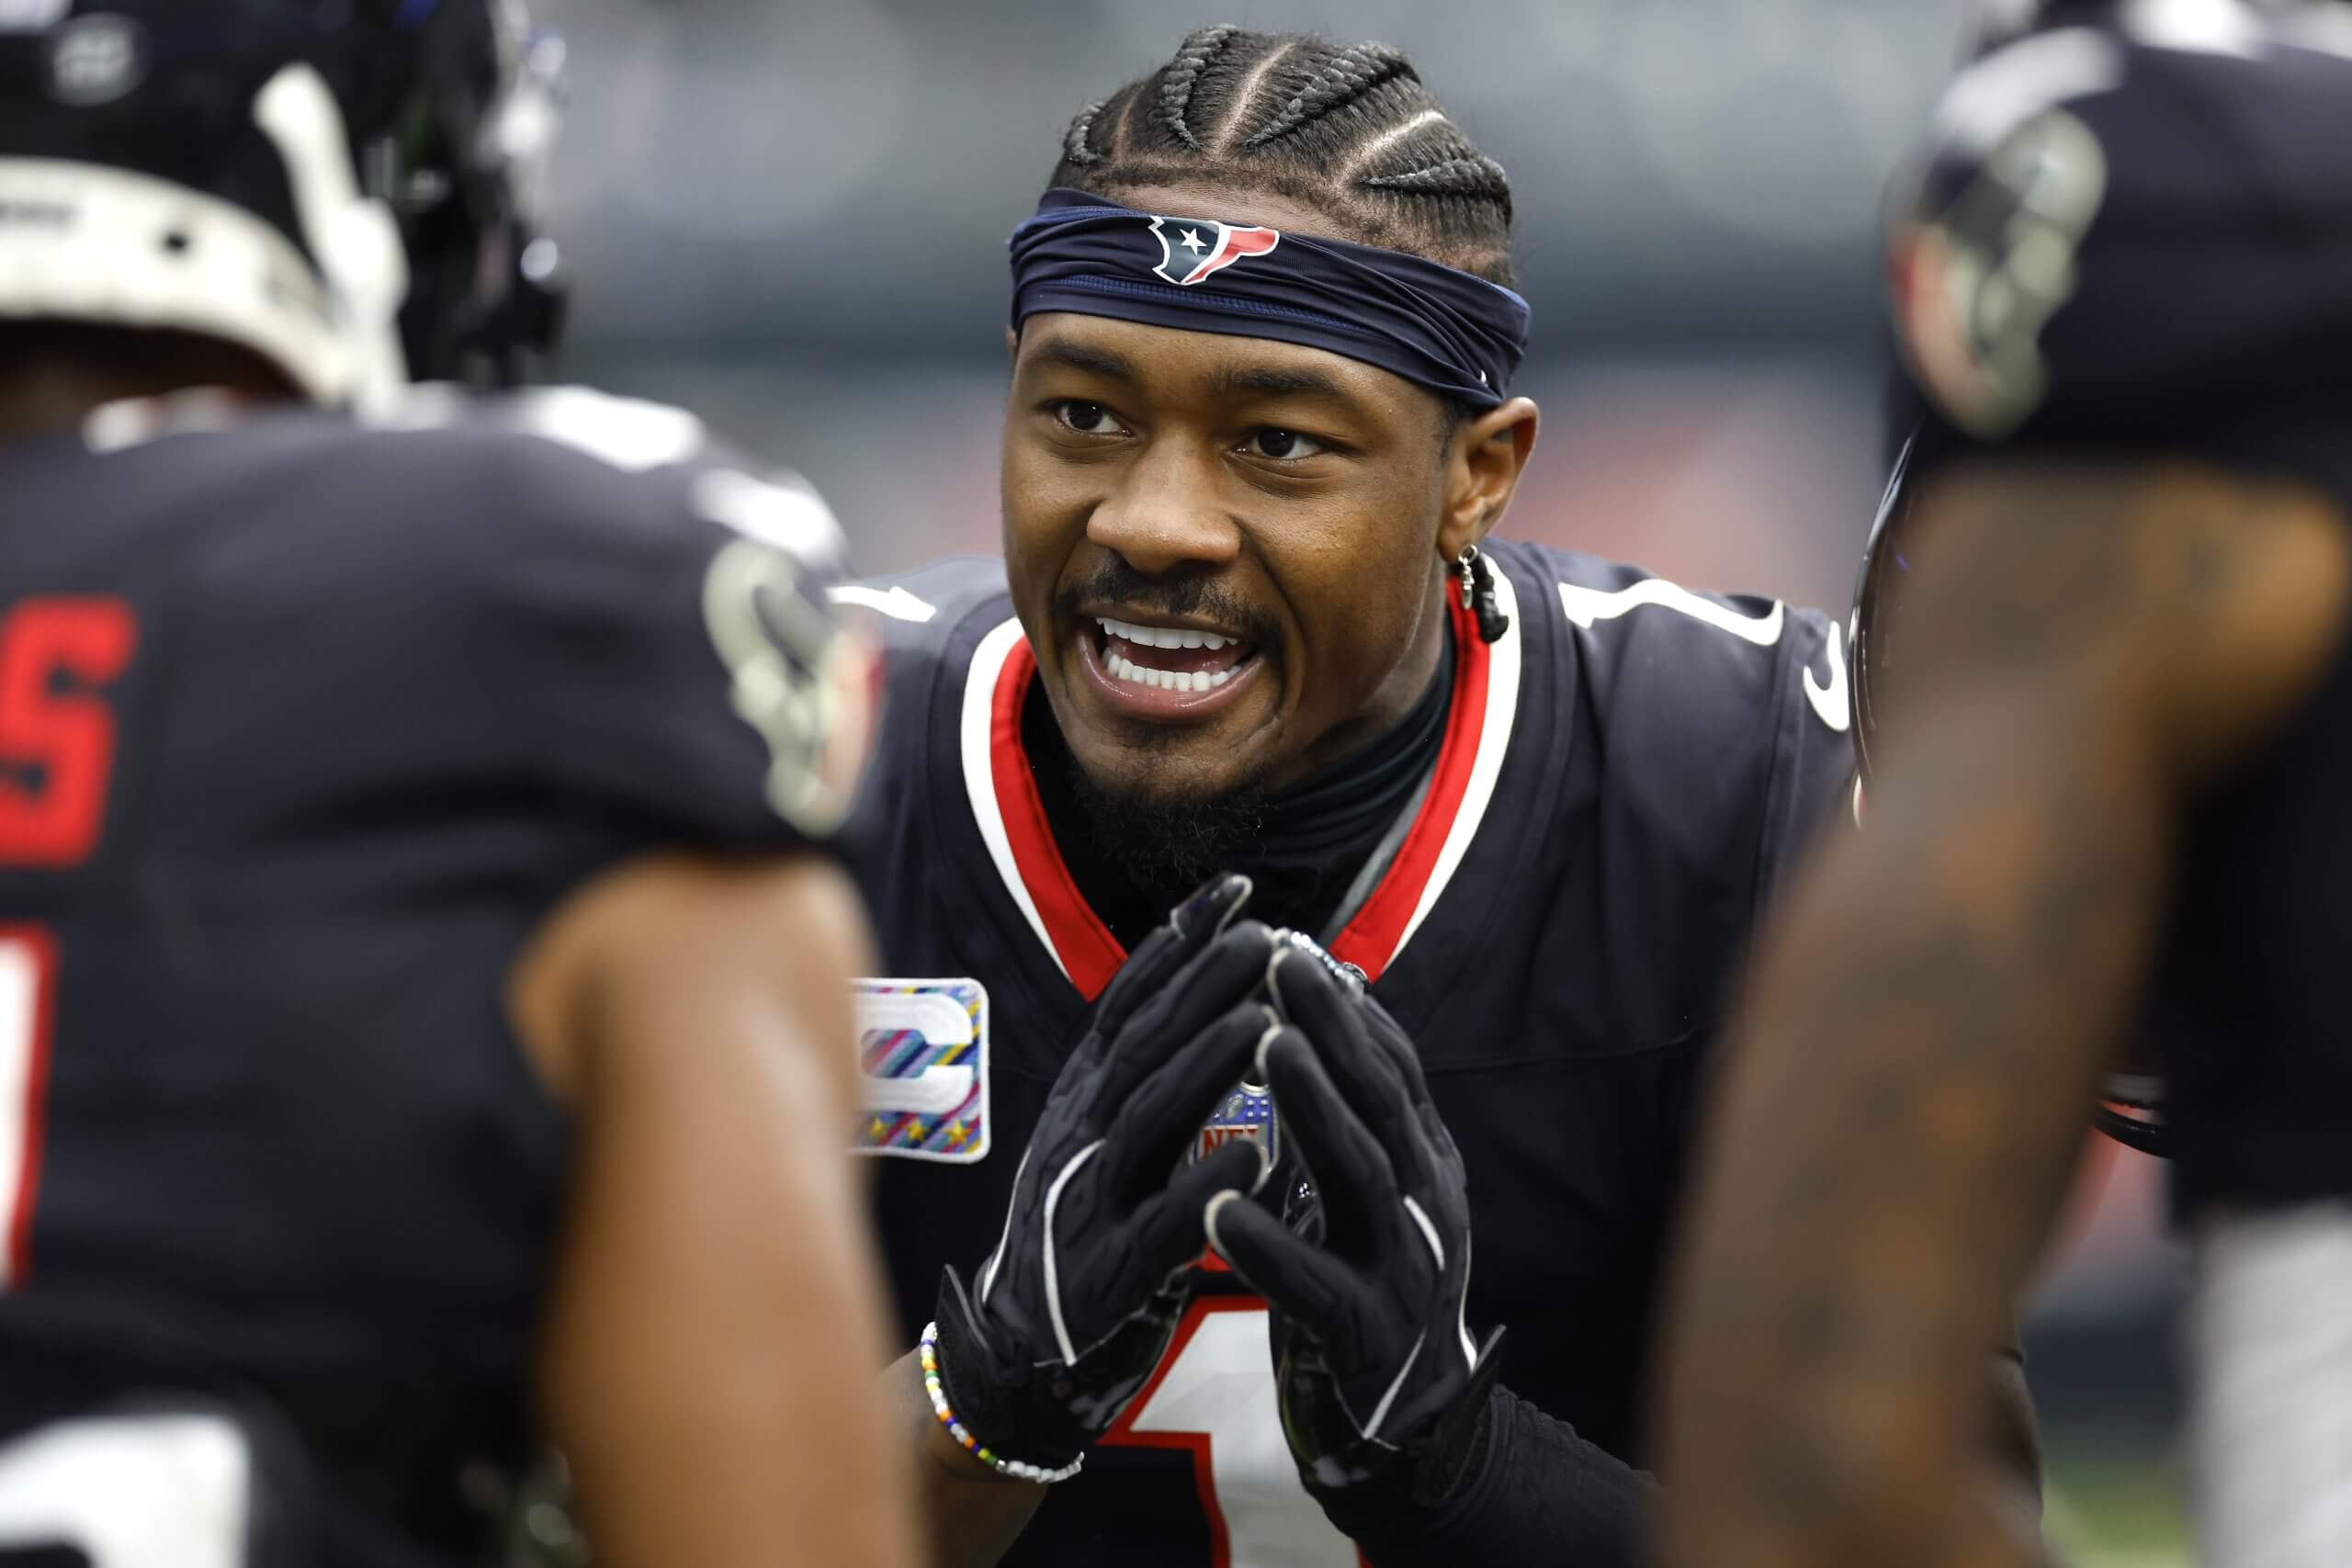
(1251, 620)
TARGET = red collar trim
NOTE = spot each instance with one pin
(1373, 937)
(1089, 953)
(1084, 946)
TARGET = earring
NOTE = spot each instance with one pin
(1477, 577)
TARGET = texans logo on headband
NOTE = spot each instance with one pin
(1190, 249)
(1452, 331)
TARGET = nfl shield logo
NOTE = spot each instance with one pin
(1190, 249)
(925, 1048)
(1248, 1113)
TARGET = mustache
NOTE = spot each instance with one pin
(1177, 594)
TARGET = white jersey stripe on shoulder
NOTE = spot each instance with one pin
(1586, 605)
(980, 770)
(898, 604)
(2018, 80)
(1503, 657)
(1830, 701)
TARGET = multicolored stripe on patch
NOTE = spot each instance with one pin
(924, 1047)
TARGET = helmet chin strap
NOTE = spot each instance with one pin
(353, 238)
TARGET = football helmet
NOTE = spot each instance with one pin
(2131, 1109)
(351, 189)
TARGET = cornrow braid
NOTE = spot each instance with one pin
(1348, 130)
(1475, 178)
(1349, 76)
(1077, 143)
(1184, 73)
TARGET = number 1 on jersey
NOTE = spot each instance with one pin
(1213, 1394)
(27, 1004)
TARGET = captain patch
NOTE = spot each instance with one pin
(923, 1049)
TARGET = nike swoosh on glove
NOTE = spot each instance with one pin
(1086, 1285)
(1380, 1385)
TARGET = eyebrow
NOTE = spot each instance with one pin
(1092, 361)
(1270, 381)
(1256, 380)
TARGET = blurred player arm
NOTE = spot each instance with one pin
(715, 1302)
(1927, 1028)
(2012, 1432)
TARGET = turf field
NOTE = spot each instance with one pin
(2112, 1505)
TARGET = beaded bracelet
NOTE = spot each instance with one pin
(1012, 1467)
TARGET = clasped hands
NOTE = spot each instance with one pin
(1361, 1252)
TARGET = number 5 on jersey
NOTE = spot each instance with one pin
(56, 738)
(57, 751)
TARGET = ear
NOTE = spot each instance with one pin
(1483, 467)
(1012, 343)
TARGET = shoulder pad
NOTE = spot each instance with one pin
(1699, 676)
(925, 604)
(2126, 229)
(628, 433)
(655, 606)
(1616, 604)
(927, 620)
(1721, 724)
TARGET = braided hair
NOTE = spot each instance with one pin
(1347, 130)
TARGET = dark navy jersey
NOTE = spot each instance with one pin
(2138, 241)
(303, 728)
(1625, 777)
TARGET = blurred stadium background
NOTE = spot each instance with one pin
(790, 215)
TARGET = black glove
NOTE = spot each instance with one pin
(1073, 1308)
(1380, 1385)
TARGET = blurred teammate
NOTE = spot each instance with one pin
(421, 983)
(1252, 619)
(2107, 804)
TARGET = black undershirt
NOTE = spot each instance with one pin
(1303, 847)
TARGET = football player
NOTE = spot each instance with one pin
(1253, 620)
(422, 984)
(2108, 665)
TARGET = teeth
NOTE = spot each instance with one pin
(1123, 669)
(1161, 637)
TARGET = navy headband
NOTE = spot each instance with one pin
(1458, 335)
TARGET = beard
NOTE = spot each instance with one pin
(1164, 842)
(1165, 845)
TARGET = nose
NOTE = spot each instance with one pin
(1164, 513)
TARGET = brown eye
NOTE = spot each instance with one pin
(1281, 445)
(1087, 419)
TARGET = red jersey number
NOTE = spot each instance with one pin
(56, 744)
(28, 1007)
(57, 737)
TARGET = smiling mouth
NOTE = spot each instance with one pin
(1169, 658)
(1163, 674)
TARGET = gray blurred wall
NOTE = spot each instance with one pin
(791, 216)
(762, 175)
